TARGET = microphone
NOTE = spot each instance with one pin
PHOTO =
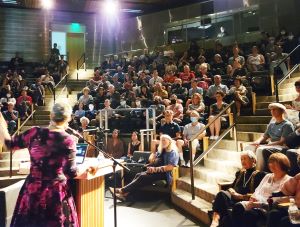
(74, 132)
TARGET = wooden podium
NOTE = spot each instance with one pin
(90, 190)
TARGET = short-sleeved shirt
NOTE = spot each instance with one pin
(169, 158)
(216, 110)
(195, 90)
(214, 88)
(170, 129)
(190, 130)
(277, 130)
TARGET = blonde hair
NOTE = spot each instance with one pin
(171, 146)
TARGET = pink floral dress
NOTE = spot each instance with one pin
(45, 198)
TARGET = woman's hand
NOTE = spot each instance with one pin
(150, 169)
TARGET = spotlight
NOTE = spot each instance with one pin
(111, 7)
(47, 4)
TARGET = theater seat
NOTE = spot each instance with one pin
(8, 198)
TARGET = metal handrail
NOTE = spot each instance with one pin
(56, 86)
(276, 82)
(80, 65)
(195, 137)
(15, 133)
(286, 57)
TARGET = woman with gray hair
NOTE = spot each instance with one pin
(45, 198)
(246, 180)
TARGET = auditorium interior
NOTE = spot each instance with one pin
(142, 113)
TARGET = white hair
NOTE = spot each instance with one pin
(61, 111)
(250, 154)
(172, 144)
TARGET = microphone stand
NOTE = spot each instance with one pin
(115, 163)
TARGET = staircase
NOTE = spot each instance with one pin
(40, 118)
(223, 161)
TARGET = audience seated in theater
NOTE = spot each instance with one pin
(169, 78)
(177, 108)
(190, 130)
(239, 93)
(194, 88)
(160, 167)
(292, 151)
(48, 81)
(296, 103)
(217, 86)
(11, 117)
(170, 67)
(275, 58)
(256, 61)
(186, 76)
(155, 78)
(24, 103)
(115, 146)
(196, 104)
(134, 144)
(100, 98)
(215, 109)
(169, 127)
(160, 91)
(117, 84)
(158, 107)
(218, 67)
(278, 217)
(91, 112)
(177, 89)
(38, 92)
(246, 181)
(273, 139)
(119, 75)
(144, 94)
(114, 96)
(80, 112)
(203, 75)
(86, 98)
(249, 213)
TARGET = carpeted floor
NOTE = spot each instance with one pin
(147, 209)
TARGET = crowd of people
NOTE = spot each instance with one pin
(183, 93)
(18, 94)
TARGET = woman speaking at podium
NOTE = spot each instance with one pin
(45, 198)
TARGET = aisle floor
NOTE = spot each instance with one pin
(153, 210)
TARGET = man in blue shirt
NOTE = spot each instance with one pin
(160, 168)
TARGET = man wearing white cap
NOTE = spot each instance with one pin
(274, 137)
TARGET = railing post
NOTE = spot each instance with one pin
(276, 87)
(77, 70)
(54, 93)
(192, 170)
(10, 163)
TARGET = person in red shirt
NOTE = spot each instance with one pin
(24, 103)
(186, 76)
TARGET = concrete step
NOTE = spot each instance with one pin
(296, 74)
(212, 176)
(248, 136)
(284, 91)
(198, 208)
(42, 117)
(263, 112)
(229, 167)
(285, 97)
(228, 145)
(7, 181)
(37, 121)
(203, 189)
(225, 154)
(262, 105)
(27, 127)
(293, 79)
(286, 84)
(252, 127)
(253, 119)
(42, 112)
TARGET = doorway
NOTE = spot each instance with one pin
(75, 48)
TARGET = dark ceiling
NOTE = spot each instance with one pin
(94, 6)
